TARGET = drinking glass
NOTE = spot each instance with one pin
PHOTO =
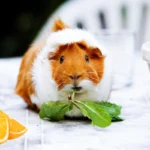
(121, 47)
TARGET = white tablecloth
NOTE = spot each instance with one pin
(131, 134)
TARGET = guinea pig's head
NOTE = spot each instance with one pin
(76, 65)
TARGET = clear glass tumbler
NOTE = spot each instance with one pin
(121, 46)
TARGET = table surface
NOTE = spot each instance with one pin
(131, 134)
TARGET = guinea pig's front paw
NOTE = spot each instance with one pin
(34, 107)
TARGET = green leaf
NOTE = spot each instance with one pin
(115, 119)
(99, 116)
(54, 111)
(113, 109)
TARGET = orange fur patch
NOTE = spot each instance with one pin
(24, 86)
(75, 65)
(58, 25)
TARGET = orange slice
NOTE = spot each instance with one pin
(15, 129)
(2, 114)
(4, 130)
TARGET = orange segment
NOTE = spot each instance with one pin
(2, 114)
(4, 130)
(16, 129)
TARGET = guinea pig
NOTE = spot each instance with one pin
(66, 60)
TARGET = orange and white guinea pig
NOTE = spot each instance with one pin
(66, 59)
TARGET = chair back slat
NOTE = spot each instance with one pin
(95, 15)
(124, 14)
(102, 20)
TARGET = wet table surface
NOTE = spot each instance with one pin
(131, 134)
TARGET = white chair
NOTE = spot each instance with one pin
(95, 15)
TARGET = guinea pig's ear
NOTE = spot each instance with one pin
(58, 25)
(52, 56)
(82, 45)
(96, 53)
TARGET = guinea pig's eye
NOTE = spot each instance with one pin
(86, 58)
(62, 59)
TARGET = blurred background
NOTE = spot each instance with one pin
(21, 21)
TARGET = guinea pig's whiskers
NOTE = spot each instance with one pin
(90, 72)
(64, 74)
(100, 71)
(62, 83)
(59, 78)
(92, 78)
(95, 72)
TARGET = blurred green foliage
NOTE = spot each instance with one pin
(20, 23)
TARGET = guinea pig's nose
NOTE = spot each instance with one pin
(74, 77)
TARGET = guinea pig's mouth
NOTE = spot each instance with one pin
(77, 88)
(70, 88)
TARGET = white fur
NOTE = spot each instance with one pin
(45, 86)
(70, 36)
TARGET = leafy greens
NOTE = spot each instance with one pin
(100, 113)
